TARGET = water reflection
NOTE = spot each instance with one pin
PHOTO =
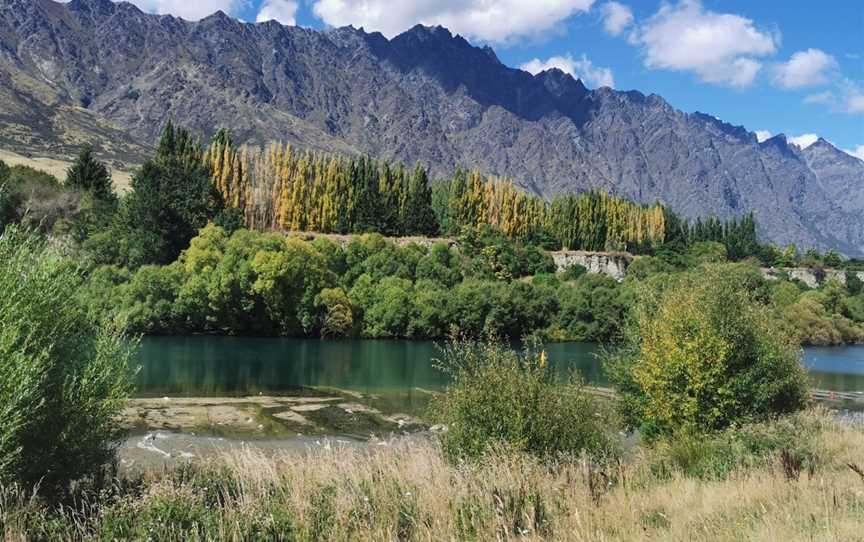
(231, 366)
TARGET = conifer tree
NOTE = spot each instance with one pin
(90, 175)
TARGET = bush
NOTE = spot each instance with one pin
(501, 398)
(36, 199)
(574, 272)
(798, 438)
(703, 351)
(592, 309)
(63, 379)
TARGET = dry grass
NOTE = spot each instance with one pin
(410, 492)
(57, 168)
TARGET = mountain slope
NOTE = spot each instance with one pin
(423, 96)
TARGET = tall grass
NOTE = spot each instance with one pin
(413, 492)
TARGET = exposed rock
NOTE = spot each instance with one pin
(602, 263)
(426, 95)
(812, 277)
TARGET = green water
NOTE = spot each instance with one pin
(195, 366)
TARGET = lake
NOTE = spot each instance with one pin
(220, 366)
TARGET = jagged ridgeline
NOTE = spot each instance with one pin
(281, 188)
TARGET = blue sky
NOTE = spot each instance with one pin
(791, 67)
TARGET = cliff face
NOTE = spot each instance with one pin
(813, 278)
(425, 95)
(612, 265)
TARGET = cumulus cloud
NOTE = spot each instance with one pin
(853, 101)
(283, 11)
(826, 97)
(804, 140)
(857, 152)
(487, 20)
(804, 69)
(849, 98)
(718, 47)
(763, 135)
(191, 10)
(616, 17)
(581, 68)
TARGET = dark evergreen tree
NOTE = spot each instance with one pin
(90, 175)
(172, 198)
(367, 209)
(420, 216)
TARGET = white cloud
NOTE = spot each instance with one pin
(804, 140)
(582, 69)
(848, 99)
(857, 152)
(719, 47)
(616, 17)
(826, 97)
(191, 10)
(188, 9)
(805, 68)
(763, 135)
(486, 20)
(853, 101)
(283, 11)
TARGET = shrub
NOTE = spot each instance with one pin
(703, 351)
(593, 309)
(798, 437)
(63, 379)
(501, 398)
(574, 272)
(35, 198)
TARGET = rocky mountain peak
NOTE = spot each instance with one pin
(96, 7)
(561, 84)
(426, 95)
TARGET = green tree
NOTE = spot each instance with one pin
(832, 259)
(592, 309)
(90, 175)
(703, 352)
(172, 198)
(63, 379)
(338, 317)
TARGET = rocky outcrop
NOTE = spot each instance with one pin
(611, 264)
(424, 96)
(812, 277)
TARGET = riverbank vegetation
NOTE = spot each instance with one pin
(413, 492)
(189, 250)
(63, 377)
(708, 372)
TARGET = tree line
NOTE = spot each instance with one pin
(280, 188)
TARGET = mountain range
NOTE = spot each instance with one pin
(105, 72)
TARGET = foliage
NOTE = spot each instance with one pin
(90, 175)
(574, 272)
(281, 188)
(278, 187)
(413, 492)
(498, 397)
(171, 199)
(495, 257)
(703, 352)
(717, 456)
(35, 199)
(63, 379)
(593, 309)
(269, 284)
